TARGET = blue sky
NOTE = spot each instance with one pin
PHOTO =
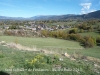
(29, 8)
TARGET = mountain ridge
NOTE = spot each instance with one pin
(91, 15)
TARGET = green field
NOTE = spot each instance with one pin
(14, 58)
(56, 45)
(93, 34)
(41, 42)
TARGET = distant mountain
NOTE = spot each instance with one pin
(52, 17)
(92, 15)
(11, 18)
(42, 17)
(95, 15)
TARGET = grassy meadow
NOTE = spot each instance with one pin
(18, 59)
(12, 59)
(93, 34)
(41, 42)
(53, 44)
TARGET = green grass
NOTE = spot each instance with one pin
(42, 42)
(15, 59)
(93, 34)
(56, 45)
(93, 52)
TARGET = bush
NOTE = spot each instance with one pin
(41, 61)
(44, 33)
(89, 42)
(98, 40)
(6, 32)
(75, 37)
(81, 31)
(13, 27)
(85, 41)
(74, 31)
(72, 37)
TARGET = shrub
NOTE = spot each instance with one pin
(44, 33)
(75, 37)
(94, 39)
(13, 27)
(40, 61)
(81, 30)
(65, 36)
(6, 32)
(74, 31)
(98, 39)
(72, 37)
(89, 42)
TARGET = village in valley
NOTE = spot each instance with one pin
(34, 27)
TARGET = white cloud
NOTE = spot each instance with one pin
(86, 8)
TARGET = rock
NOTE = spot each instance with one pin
(72, 59)
(60, 59)
(95, 65)
(3, 43)
(67, 55)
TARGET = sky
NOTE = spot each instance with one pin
(30, 8)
